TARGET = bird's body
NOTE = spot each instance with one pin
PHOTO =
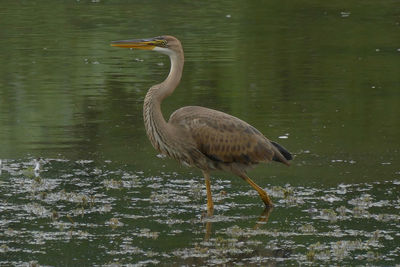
(200, 137)
(226, 142)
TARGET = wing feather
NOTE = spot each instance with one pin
(222, 137)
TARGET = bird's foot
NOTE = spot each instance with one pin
(207, 214)
(269, 205)
(210, 212)
(267, 201)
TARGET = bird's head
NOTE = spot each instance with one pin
(166, 44)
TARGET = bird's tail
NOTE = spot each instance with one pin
(283, 155)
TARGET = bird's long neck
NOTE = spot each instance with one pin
(168, 86)
(156, 127)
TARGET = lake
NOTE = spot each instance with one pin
(322, 79)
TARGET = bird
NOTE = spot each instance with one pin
(198, 136)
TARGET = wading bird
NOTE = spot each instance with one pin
(201, 137)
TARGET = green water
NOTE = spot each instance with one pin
(320, 78)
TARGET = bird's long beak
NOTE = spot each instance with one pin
(143, 44)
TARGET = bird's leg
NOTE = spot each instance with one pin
(208, 231)
(264, 196)
(210, 204)
(264, 217)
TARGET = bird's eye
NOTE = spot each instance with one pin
(164, 43)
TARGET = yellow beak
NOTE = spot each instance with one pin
(143, 44)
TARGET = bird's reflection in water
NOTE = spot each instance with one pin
(236, 245)
(262, 220)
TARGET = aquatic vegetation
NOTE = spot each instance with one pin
(113, 184)
(328, 214)
(129, 218)
(307, 228)
(114, 223)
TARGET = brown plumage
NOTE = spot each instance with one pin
(198, 136)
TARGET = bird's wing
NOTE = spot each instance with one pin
(222, 137)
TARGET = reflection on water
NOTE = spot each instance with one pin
(320, 77)
(129, 217)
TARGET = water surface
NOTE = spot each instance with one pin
(319, 78)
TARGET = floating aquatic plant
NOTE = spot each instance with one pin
(129, 217)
